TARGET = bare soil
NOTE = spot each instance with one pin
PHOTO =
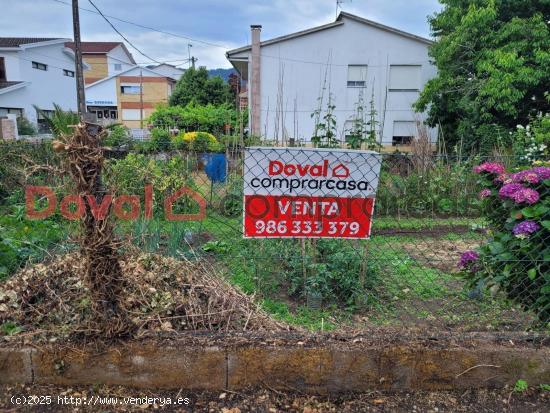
(533, 400)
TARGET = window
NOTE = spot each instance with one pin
(130, 114)
(357, 75)
(39, 66)
(69, 73)
(3, 77)
(118, 67)
(130, 89)
(43, 125)
(405, 77)
(16, 111)
(403, 132)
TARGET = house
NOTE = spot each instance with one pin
(351, 60)
(168, 70)
(128, 97)
(104, 59)
(36, 71)
(116, 88)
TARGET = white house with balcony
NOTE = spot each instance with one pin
(36, 71)
(347, 59)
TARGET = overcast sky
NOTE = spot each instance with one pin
(225, 23)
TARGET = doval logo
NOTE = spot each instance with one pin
(317, 170)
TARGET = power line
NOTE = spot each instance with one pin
(120, 34)
(34, 52)
(214, 44)
(150, 28)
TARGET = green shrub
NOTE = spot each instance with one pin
(118, 137)
(336, 277)
(131, 174)
(516, 259)
(443, 188)
(532, 142)
(207, 118)
(22, 239)
(160, 140)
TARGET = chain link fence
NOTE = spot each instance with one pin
(407, 221)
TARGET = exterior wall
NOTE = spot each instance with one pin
(169, 71)
(45, 87)
(118, 56)
(155, 92)
(12, 64)
(112, 61)
(98, 68)
(102, 94)
(292, 81)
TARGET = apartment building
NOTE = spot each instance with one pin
(128, 97)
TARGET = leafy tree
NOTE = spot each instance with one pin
(493, 60)
(196, 87)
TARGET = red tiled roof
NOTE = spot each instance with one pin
(95, 47)
(17, 41)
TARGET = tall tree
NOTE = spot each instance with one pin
(493, 61)
(195, 86)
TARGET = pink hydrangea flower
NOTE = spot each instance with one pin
(543, 172)
(527, 176)
(503, 179)
(525, 228)
(485, 193)
(467, 258)
(508, 190)
(489, 167)
(526, 195)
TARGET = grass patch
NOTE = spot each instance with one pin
(313, 320)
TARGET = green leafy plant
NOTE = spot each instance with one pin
(521, 386)
(59, 120)
(532, 142)
(325, 129)
(10, 329)
(194, 117)
(544, 387)
(216, 247)
(118, 137)
(160, 140)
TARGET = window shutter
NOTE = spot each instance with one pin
(357, 73)
(405, 77)
(404, 128)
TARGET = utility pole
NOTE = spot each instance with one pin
(141, 98)
(81, 99)
(193, 60)
(189, 46)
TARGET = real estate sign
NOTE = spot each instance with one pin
(309, 193)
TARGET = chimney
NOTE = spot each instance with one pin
(255, 80)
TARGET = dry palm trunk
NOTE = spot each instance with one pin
(103, 275)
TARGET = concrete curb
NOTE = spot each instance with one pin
(314, 369)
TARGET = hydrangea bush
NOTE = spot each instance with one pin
(516, 259)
